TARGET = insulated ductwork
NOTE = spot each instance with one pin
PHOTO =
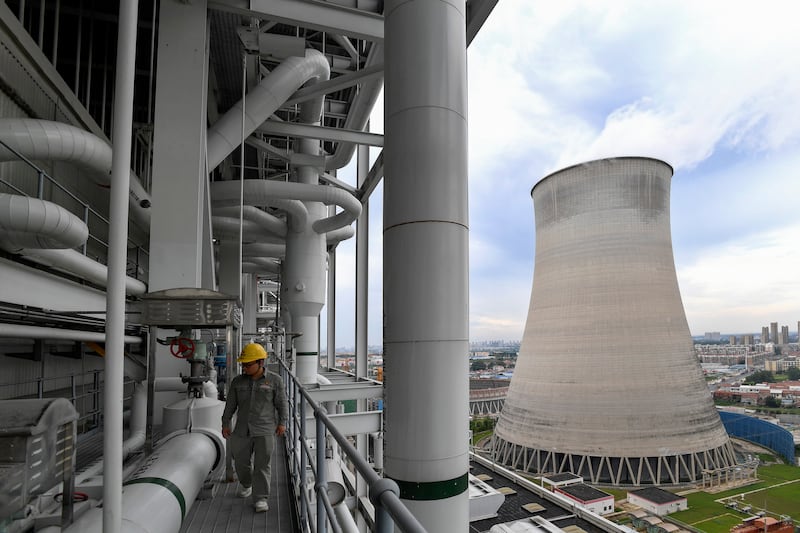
(46, 140)
(76, 263)
(32, 223)
(263, 192)
(268, 222)
(262, 101)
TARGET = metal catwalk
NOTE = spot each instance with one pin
(226, 512)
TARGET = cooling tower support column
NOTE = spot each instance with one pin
(426, 260)
(607, 384)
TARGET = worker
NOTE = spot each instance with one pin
(258, 397)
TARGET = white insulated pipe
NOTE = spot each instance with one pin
(265, 192)
(175, 384)
(261, 102)
(76, 263)
(117, 264)
(32, 223)
(45, 140)
(268, 222)
(45, 333)
(158, 497)
(426, 260)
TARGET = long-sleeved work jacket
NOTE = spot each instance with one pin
(260, 405)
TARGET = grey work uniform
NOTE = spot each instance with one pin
(261, 406)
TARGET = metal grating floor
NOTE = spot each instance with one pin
(227, 513)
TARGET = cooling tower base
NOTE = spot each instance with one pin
(681, 469)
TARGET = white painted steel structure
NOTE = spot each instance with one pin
(607, 385)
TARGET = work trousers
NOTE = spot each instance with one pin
(251, 458)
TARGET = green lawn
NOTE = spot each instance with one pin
(707, 515)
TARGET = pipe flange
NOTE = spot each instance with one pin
(377, 489)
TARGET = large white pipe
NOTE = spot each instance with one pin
(117, 265)
(32, 223)
(176, 384)
(76, 263)
(258, 249)
(264, 192)
(45, 140)
(158, 497)
(426, 260)
(261, 102)
(227, 229)
(268, 222)
(44, 333)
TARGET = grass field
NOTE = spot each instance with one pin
(778, 493)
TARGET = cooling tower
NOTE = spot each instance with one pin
(607, 385)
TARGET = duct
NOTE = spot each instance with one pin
(338, 235)
(157, 498)
(76, 263)
(258, 249)
(266, 264)
(41, 332)
(227, 229)
(138, 420)
(360, 110)
(33, 223)
(298, 213)
(276, 87)
(268, 222)
(261, 192)
(45, 140)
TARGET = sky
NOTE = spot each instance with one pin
(711, 87)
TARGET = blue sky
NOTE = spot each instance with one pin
(712, 88)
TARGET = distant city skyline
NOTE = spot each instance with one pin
(554, 84)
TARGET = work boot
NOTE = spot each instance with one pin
(244, 492)
(261, 506)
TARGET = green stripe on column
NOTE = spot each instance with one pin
(432, 490)
(307, 353)
(167, 484)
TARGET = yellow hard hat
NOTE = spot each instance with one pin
(252, 352)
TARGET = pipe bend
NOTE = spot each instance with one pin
(268, 222)
(47, 140)
(32, 223)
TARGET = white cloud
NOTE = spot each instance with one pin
(743, 285)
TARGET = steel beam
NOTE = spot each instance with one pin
(354, 391)
(292, 129)
(316, 15)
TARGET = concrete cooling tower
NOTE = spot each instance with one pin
(607, 385)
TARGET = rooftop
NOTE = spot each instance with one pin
(657, 495)
(584, 492)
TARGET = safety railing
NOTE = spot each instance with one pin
(383, 492)
(88, 211)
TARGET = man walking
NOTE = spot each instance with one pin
(259, 399)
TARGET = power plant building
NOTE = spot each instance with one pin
(607, 385)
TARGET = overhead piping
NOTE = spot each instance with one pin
(56, 141)
(261, 192)
(33, 223)
(44, 333)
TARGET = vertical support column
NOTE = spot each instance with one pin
(177, 237)
(361, 300)
(117, 263)
(426, 271)
(331, 346)
(249, 302)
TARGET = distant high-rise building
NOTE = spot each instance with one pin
(764, 335)
(732, 340)
(607, 384)
(747, 340)
(712, 336)
(784, 337)
(773, 332)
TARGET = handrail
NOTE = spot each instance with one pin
(383, 492)
(87, 209)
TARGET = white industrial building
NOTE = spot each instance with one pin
(657, 501)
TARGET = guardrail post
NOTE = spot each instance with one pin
(303, 460)
(40, 186)
(383, 520)
(322, 482)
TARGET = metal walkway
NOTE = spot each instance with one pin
(227, 513)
